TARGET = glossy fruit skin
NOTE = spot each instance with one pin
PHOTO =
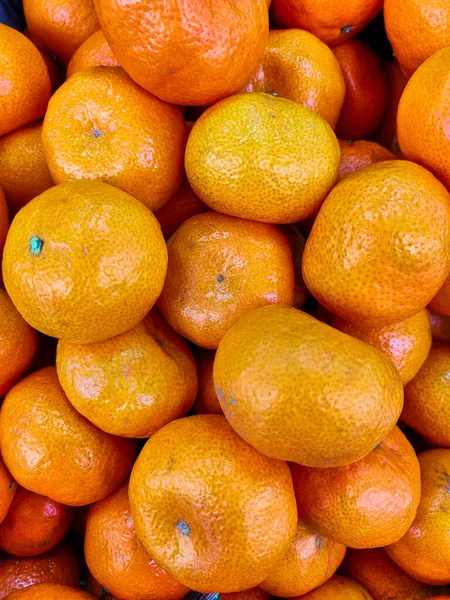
(34, 524)
(424, 115)
(382, 578)
(8, 489)
(101, 126)
(427, 405)
(424, 551)
(207, 402)
(416, 30)
(359, 154)
(382, 229)
(248, 524)
(190, 54)
(406, 343)
(346, 386)
(61, 26)
(338, 588)
(51, 591)
(310, 561)
(330, 20)
(220, 268)
(26, 84)
(58, 566)
(274, 162)
(298, 66)
(183, 205)
(84, 262)
(440, 328)
(24, 172)
(343, 503)
(440, 304)
(133, 384)
(396, 84)
(366, 90)
(93, 52)
(52, 450)
(18, 344)
(116, 557)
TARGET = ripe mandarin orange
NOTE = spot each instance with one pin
(338, 588)
(297, 240)
(440, 327)
(440, 304)
(100, 125)
(382, 230)
(220, 268)
(207, 401)
(60, 26)
(8, 489)
(251, 594)
(396, 84)
(84, 261)
(298, 66)
(212, 511)
(406, 343)
(93, 52)
(359, 154)
(116, 557)
(347, 387)
(424, 116)
(310, 561)
(34, 524)
(133, 384)
(330, 20)
(26, 87)
(192, 53)
(4, 218)
(52, 450)
(50, 591)
(424, 551)
(24, 172)
(260, 157)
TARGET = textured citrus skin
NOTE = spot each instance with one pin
(310, 561)
(396, 84)
(24, 172)
(60, 26)
(8, 489)
(25, 81)
(116, 557)
(93, 52)
(4, 219)
(427, 404)
(440, 304)
(264, 158)
(424, 116)
(58, 566)
(338, 588)
(251, 594)
(297, 241)
(366, 90)
(359, 154)
(211, 510)
(298, 66)
(18, 344)
(98, 265)
(416, 30)
(190, 53)
(207, 401)
(382, 230)
(100, 125)
(133, 384)
(50, 591)
(424, 551)
(52, 450)
(406, 343)
(343, 503)
(330, 20)
(347, 386)
(382, 578)
(220, 268)
(440, 327)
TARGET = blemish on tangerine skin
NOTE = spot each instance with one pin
(36, 245)
(346, 30)
(11, 484)
(183, 527)
(96, 132)
(220, 393)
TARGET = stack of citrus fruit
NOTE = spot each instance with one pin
(225, 300)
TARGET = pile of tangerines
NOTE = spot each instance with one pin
(225, 310)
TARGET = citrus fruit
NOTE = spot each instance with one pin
(34, 524)
(212, 511)
(406, 343)
(310, 561)
(440, 327)
(183, 204)
(298, 66)
(264, 158)
(133, 384)
(24, 172)
(338, 588)
(84, 261)
(297, 241)
(190, 54)
(251, 594)
(220, 268)
(8, 489)
(359, 154)
(52, 450)
(440, 304)
(4, 218)
(93, 52)
(207, 401)
(396, 84)
(424, 551)
(101, 126)
(346, 387)
(26, 86)
(381, 230)
(50, 591)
